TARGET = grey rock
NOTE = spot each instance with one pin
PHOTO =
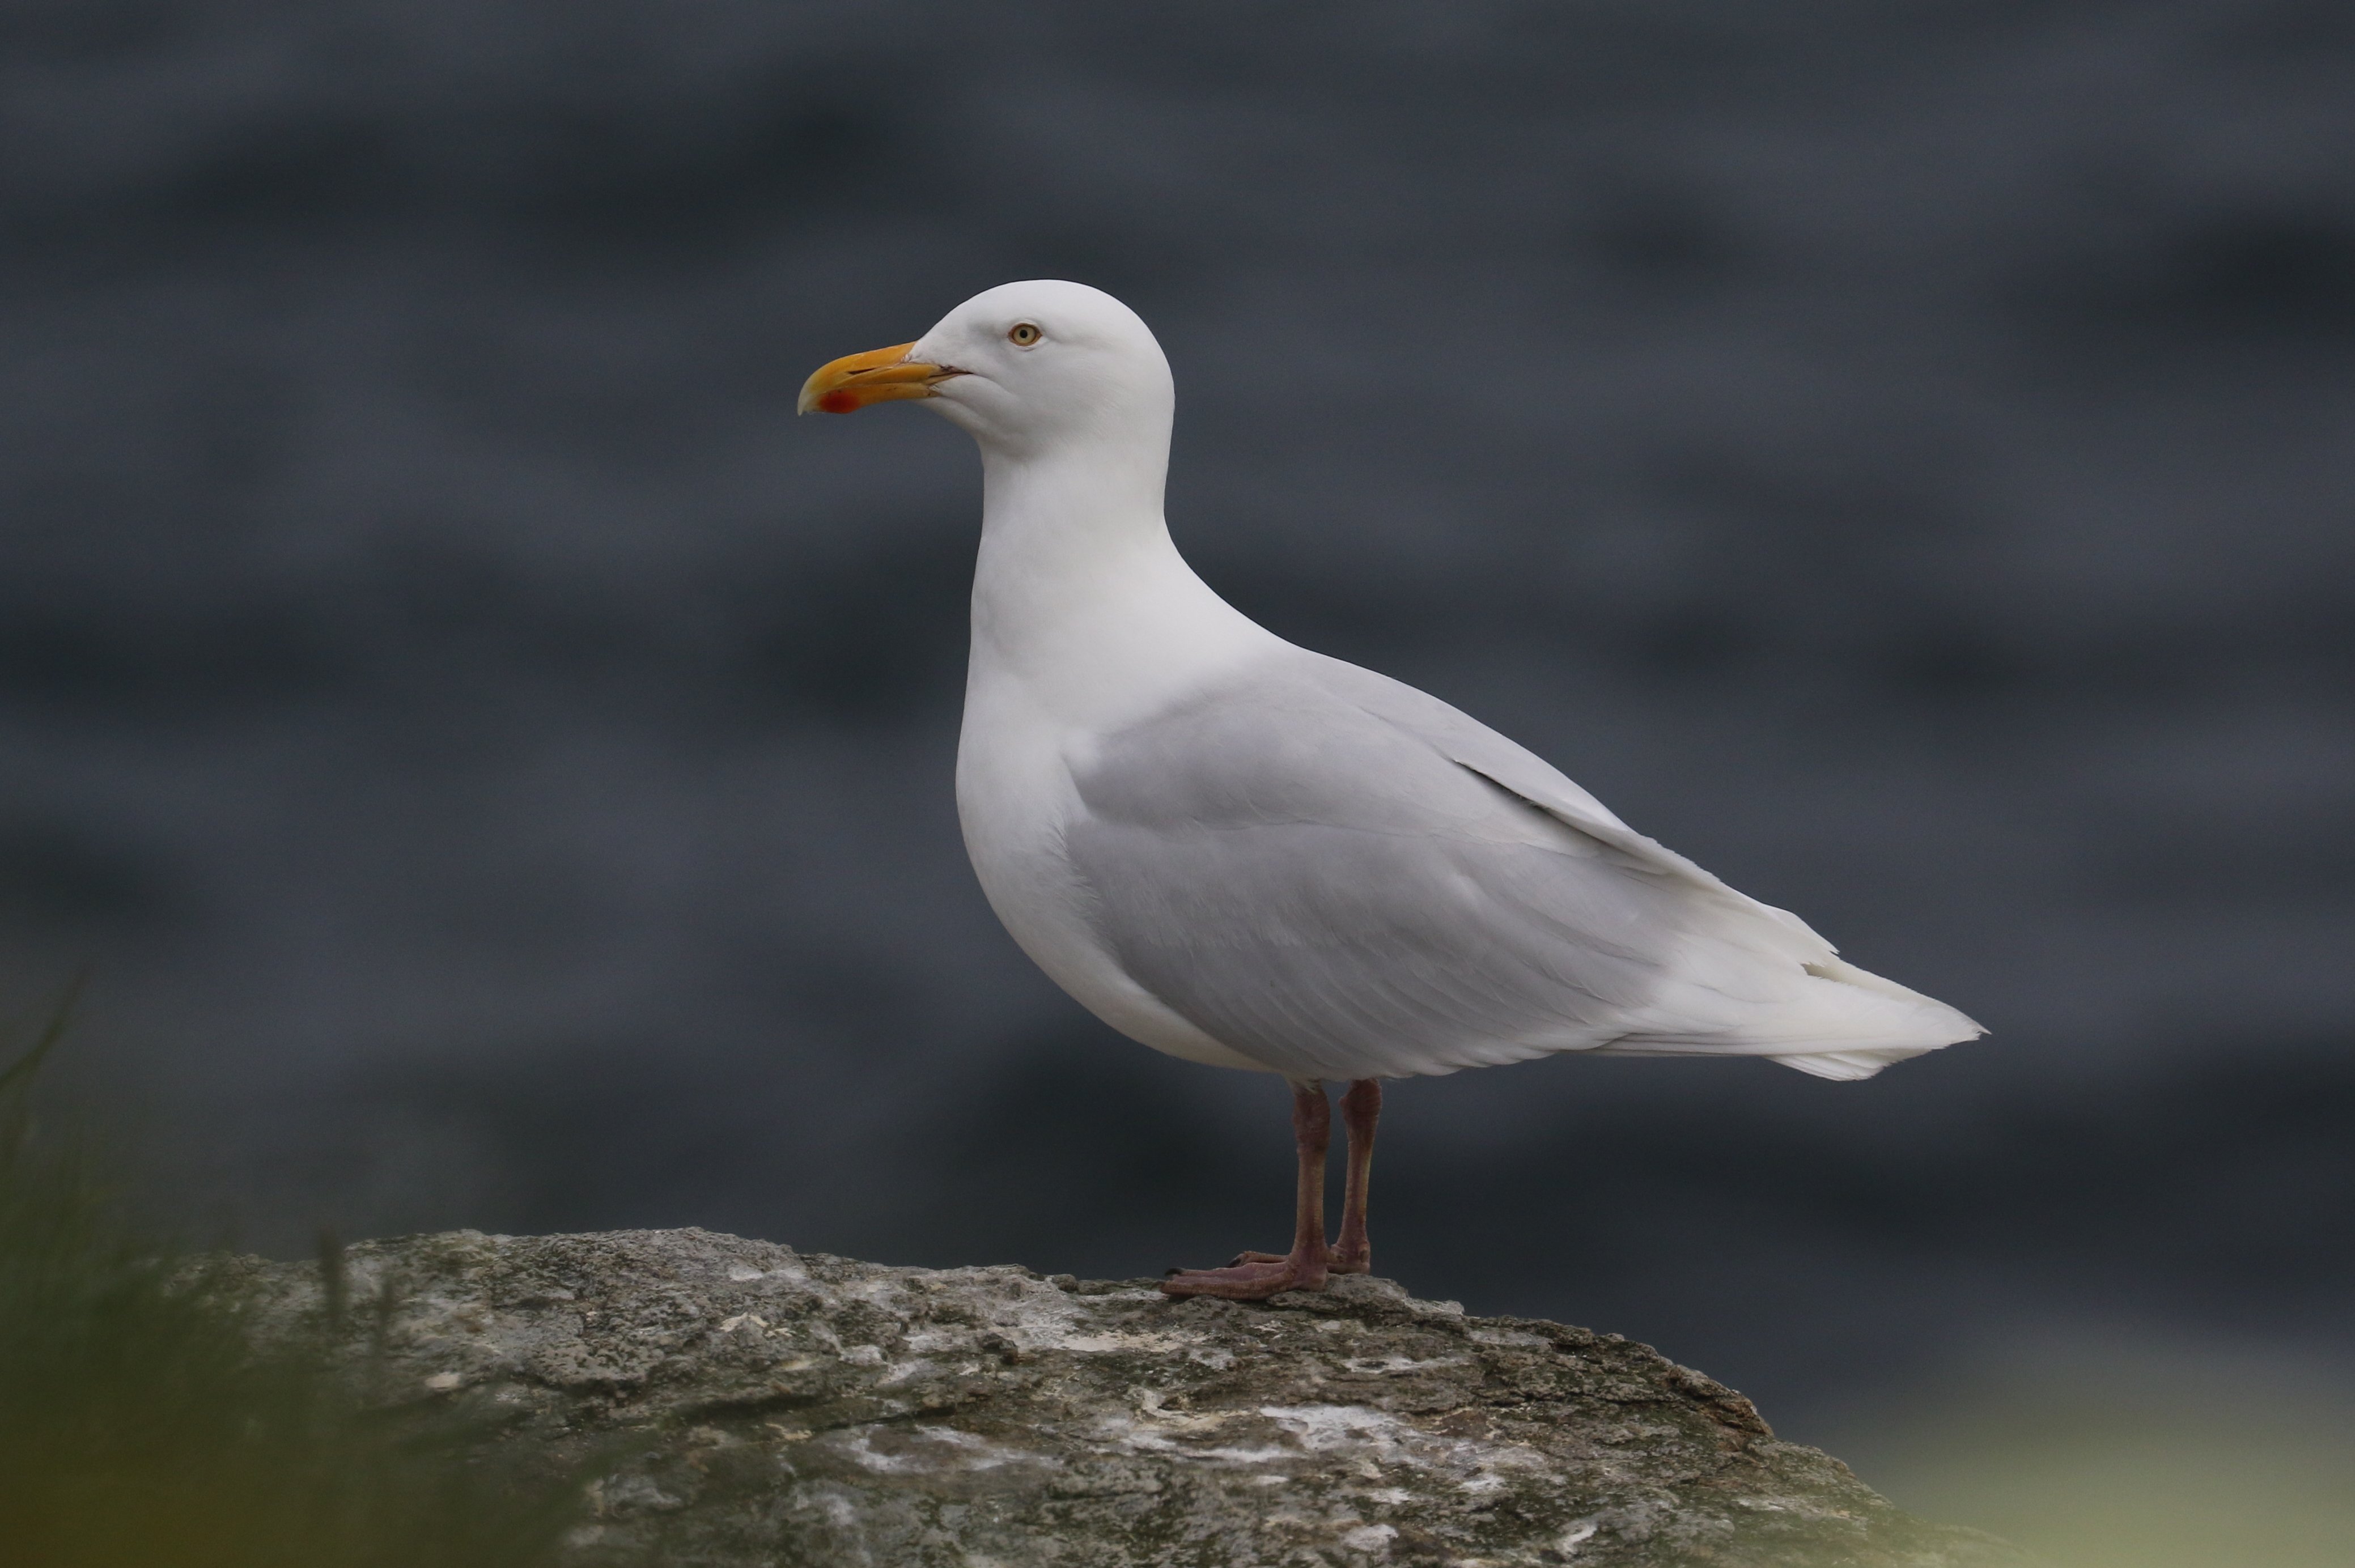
(744, 1404)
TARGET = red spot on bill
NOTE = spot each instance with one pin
(841, 400)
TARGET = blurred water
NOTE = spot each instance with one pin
(1895, 454)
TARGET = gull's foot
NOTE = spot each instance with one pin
(1262, 1275)
(1359, 1260)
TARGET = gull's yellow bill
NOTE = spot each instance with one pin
(848, 384)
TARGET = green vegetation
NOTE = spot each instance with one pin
(2123, 1456)
(139, 1424)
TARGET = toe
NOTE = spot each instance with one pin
(1246, 1282)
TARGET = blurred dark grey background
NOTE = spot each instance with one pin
(497, 762)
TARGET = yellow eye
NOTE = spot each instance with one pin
(1023, 335)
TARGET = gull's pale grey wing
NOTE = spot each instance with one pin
(1464, 740)
(1329, 894)
(1795, 999)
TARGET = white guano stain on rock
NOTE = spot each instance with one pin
(929, 1450)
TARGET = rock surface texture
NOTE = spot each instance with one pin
(748, 1404)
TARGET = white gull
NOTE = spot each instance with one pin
(1249, 855)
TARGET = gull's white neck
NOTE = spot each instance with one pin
(1083, 609)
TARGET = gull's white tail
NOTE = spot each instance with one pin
(1755, 981)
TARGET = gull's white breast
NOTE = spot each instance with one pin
(1052, 674)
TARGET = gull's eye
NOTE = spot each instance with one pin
(1024, 334)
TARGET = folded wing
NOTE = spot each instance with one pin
(1342, 877)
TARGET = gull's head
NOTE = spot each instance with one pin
(1023, 366)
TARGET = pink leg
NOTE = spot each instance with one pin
(1303, 1268)
(1351, 1252)
(1361, 1107)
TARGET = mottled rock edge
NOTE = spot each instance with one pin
(744, 1403)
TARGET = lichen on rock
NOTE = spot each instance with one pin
(743, 1404)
